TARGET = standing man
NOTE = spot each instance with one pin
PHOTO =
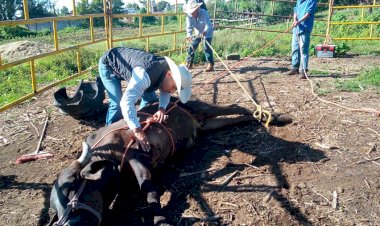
(302, 27)
(145, 73)
(198, 20)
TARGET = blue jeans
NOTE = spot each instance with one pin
(206, 49)
(113, 86)
(304, 42)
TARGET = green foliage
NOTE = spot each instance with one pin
(68, 30)
(371, 77)
(40, 8)
(96, 6)
(147, 19)
(64, 11)
(8, 9)
(341, 49)
(15, 82)
(368, 78)
(15, 31)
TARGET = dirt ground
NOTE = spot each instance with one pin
(281, 175)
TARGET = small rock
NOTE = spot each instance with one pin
(302, 185)
(233, 56)
(340, 189)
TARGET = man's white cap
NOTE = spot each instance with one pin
(182, 77)
(191, 6)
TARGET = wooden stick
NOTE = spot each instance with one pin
(367, 160)
(197, 172)
(366, 182)
(267, 197)
(42, 135)
(255, 167)
(251, 206)
(229, 178)
(378, 134)
(35, 128)
(321, 196)
(250, 176)
(335, 200)
(230, 204)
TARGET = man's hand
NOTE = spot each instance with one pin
(295, 23)
(188, 39)
(160, 115)
(203, 34)
(142, 139)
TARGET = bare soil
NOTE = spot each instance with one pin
(282, 175)
(23, 49)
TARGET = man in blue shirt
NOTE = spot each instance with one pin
(145, 73)
(198, 20)
(302, 27)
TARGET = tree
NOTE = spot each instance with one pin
(96, 6)
(39, 8)
(64, 11)
(133, 6)
(9, 8)
(162, 5)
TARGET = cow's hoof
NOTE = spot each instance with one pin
(161, 221)
(279, 119)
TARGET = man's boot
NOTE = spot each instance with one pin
(210, 67)
(294, 71)
(189, 65)
(304, 73)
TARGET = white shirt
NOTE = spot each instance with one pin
(139, 82)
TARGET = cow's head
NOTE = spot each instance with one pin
(94, 186)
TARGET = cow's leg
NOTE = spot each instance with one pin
(217, 123)
(140, 164)
(210, 110)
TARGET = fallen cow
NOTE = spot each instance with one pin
(115, 142)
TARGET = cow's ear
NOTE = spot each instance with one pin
(95, 170)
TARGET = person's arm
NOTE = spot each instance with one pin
(164, 100)
(296, 23)
(138, 83)
(189, 27)
(208, 25)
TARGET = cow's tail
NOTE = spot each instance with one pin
(86, 155)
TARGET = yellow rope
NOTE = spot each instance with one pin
(259, 111)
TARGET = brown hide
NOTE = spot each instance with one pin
(111, 141)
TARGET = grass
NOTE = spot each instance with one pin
(367, 79)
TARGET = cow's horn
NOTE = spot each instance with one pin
(85, 157)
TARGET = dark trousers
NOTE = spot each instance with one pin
(206, 49)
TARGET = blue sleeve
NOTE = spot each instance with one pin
(189, 27)
(207, 20)
(311, 7)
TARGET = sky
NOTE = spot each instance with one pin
(69, 4)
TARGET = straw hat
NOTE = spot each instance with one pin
(182, 78)
(191, 6)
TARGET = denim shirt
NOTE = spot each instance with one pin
(302, 7)
(199, 24)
